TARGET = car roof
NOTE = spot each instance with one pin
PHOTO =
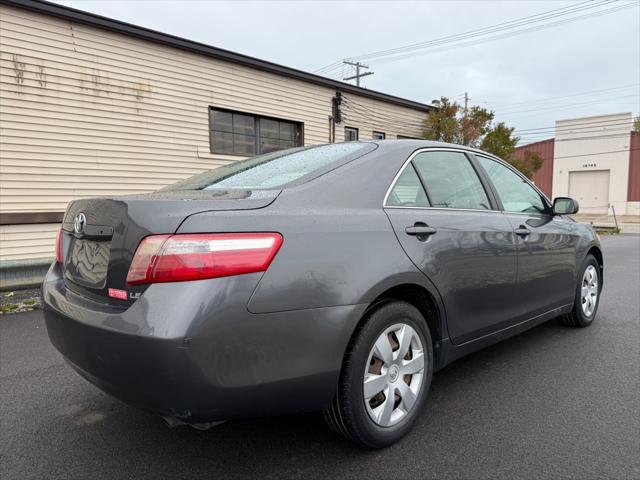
(411, 145)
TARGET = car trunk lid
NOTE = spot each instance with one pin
(100, 235)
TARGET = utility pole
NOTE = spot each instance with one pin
(358, 75)
(466, 104)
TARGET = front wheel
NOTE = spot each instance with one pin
(587, 296)
(385, 377)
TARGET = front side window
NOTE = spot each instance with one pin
(275, 169)
(515, 192)
(235, 133)
(407, 191)
(451, 181)
(350, 134)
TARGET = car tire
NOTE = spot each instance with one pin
(368, 421)
(587, 297)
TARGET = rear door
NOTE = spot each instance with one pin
(546, 243)
(448, 224)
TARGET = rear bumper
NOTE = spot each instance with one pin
(192, 350)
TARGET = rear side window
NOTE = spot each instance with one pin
(273, 170)
(514, 191)
(407, 191)
(451, 181)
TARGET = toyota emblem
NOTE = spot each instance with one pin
(79, 223)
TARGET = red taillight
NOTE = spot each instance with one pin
(177, 258)
(59, 247)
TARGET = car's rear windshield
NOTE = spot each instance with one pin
(275, 169)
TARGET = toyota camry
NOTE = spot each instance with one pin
(333, 278)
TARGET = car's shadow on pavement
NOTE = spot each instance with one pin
(116, 435)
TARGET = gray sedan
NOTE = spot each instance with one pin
(334, 278)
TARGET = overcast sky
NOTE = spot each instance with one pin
(529, 80)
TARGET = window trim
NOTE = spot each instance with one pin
(355, 130)
(545, 200)
(256, 119)
(481, 176)
(374, 132)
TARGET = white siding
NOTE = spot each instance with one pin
(86, 112)
(21, 242)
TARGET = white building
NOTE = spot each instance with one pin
(595, 160)
(591, 163)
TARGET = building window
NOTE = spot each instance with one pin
(405, 137)
(350, 134)
(235, 133)
(378, 135)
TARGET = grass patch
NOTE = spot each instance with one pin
(607, 230)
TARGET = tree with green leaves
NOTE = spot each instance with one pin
(449, 123)
(475, 128)
(636, 124)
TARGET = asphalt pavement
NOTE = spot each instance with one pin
(553, 402)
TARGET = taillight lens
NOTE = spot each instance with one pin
(177, 258)
(59, 247)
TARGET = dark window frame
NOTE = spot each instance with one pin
(494, 201)
(351, 129)
(474, 169)
(382, 135)
(298, 133)
(548, 204)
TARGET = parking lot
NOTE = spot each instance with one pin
(553, 402)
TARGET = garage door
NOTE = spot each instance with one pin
(591, 189)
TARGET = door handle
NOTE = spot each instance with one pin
(420, 230)
(522, 231)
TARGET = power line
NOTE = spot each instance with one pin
(565, 106)
(376, 113)
(597, 153)
(627, 126)
(378, 124)
(506, 35)
(596, 137)
(536, 100)
(456, 37)
(388, 119)
(373, 122)
(405, 51)
(579, 124)
(625, 134)
(583, 136)
(484, 30)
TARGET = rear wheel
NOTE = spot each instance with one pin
(385, 377)
(587, 295)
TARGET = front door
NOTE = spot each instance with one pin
(546, 243)
(449, 227)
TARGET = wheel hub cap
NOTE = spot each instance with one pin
(394, 375)
(589, 290)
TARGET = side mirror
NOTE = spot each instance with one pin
(565, 206)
